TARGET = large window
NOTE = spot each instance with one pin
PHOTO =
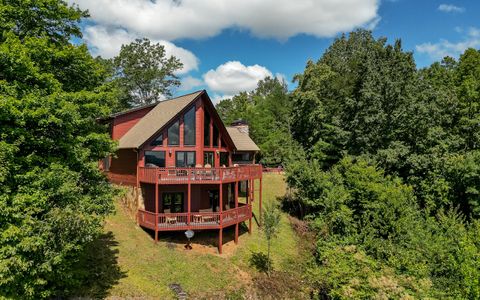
(215, 136)
(174, 134)
(155, 159)
(189, 127)
(158, 141)
(206, 129)
(209, 158)
(224, 159)
(185, 159)
(172, 202)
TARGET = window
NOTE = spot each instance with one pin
(209, 158)
(224, 159)
(189, 127)
(242, 157)
(215, 136)
(155, 159)
(172, 202)
(158, 141)
(206, 129)
(185, 159)
(173, 134)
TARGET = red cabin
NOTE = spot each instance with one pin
(187, 166)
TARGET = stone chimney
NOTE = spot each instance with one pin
(241, 125)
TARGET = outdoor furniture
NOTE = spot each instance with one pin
(208, 219)
(171, 220)
(197, 218)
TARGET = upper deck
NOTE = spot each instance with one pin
(198, 175)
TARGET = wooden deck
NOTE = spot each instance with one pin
(198, 175)
(194, 220)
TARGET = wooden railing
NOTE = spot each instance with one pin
(198, 175)
(195, 220)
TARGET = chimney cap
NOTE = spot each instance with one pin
(239, 122)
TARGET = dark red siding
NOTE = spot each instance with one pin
(123, 123)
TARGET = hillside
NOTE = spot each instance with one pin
(127, 263)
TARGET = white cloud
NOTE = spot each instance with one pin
(233, 77)
(446, 48)
(107, 43)
(189, 83)
(450, 8)
(170, 20)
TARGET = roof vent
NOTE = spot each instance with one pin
(241, 125)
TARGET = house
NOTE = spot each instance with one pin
(186, 165)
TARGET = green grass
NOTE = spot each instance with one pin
(147, 268)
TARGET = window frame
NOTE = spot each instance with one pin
(191, 111)
(157, 151)
(185, 159)
(176, 123)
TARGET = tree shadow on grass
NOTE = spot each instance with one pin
(97, 269)
(261, 262)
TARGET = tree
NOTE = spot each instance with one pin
(144, 73)
(270, 227)
(53, 198)
(267, 109)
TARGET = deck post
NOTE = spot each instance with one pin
(220, 241)
(189, 197)
(236, 212)
(260, 201)
(156, 206)
(220, 196)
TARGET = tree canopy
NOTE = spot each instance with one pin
(52, 195)
(390, 170)
(144, 74)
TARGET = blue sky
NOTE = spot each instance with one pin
(227, 46)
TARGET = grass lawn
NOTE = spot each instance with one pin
(145, 270)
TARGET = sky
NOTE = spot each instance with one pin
(227, 46)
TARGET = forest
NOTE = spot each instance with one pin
(383, 162)
(382, 158)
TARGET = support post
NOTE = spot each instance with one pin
(236, 212)
(260, 201)
(220, 241)
(189, 197)
(220, 204)
(156, 206)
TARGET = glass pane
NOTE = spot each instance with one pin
(191, 159)
(208, 158)
(155, 159)
(189, 127)
(158, 141)
(206, 129)
(215, 136)
(224, 159)
(180, 159)
(173, 134)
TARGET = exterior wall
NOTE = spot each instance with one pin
(199, 147)
(123, 167)
(123, 123)
(199, 195)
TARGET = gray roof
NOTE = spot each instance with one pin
(242, 140)
(154, 120)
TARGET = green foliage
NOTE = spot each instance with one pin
(270, 227)
(267, 109)
(374, 241)
(53, 198)
(144, 73)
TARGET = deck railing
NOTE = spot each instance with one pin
(199, 175)
(195, 220)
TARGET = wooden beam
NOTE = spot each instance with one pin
(189, 197)
(156, 207)
(220, 241)
(260, 201)
(236, 212)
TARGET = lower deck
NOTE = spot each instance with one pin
(196, 220)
